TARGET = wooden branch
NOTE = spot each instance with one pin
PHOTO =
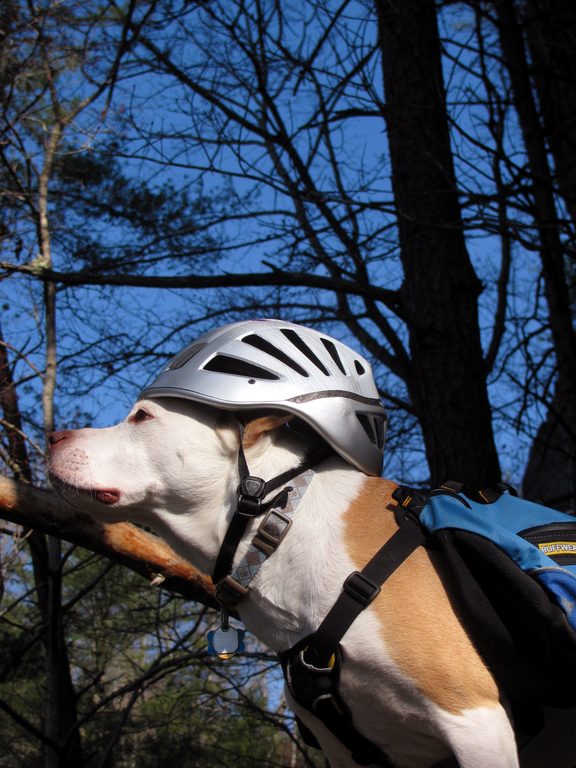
(278, 277)
(122, 543)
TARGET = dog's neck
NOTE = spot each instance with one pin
(297, 584)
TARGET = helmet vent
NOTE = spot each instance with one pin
(183, 357)
(333, 352)
(236, 367)
(360, 370)
(301, 345)
(374, 428)
(265, 346)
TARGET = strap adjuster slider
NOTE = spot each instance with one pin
(229, 592)
(271, 531)
(361, 588)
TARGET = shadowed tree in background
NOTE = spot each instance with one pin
(440, 291)
(539, 45)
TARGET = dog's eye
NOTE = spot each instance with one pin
(140, 415)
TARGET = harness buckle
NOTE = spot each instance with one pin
(229, 592)
(271, 531)
(307, 683)
(361, 589)
(250, 494)
(317, 690)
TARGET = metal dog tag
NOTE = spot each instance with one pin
(225, 642)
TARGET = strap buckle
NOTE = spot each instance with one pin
(361, 588)
(271, 531)
(250, 495)
(229, 592)
(307, 683)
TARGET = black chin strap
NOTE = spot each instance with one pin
(251, 493)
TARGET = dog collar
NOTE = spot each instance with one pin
(250, 503)
(271, 531)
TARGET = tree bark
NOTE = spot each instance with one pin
(551, 34)
(550, 474)
(123, 543)
(551, 469)
(440, 290)
(62, 747)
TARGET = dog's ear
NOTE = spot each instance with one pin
(256, 428)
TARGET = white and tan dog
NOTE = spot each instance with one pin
(412, 678)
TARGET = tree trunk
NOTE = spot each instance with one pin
(60, 723)
(440, 290)
(551, 34)
(60, 715)
(552, 464)
(550, 473)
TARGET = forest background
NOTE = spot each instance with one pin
(401, 175)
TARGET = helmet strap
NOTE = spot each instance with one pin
(270, 533)
(250, 503)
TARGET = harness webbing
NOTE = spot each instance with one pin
(251, 504)
(271, 532)
(362, 587)
(312, 666)
(317, 690)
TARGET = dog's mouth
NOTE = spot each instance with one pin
(106, 496)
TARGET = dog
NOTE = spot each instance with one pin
(413, 680)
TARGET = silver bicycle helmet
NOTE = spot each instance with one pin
(271, 363)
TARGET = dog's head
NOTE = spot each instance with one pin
(171, 465)
(139, 463)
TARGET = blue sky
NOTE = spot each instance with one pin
(97, 325)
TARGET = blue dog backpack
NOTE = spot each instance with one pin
(511, 568)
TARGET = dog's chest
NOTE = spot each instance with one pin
(296, 586)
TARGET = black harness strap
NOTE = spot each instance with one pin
(251, 493)
(312, 666)
(317, 690)
(362, 587)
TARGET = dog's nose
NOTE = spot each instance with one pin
(56, 437)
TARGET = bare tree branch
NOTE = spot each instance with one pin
(228, 280)
(123, 543)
